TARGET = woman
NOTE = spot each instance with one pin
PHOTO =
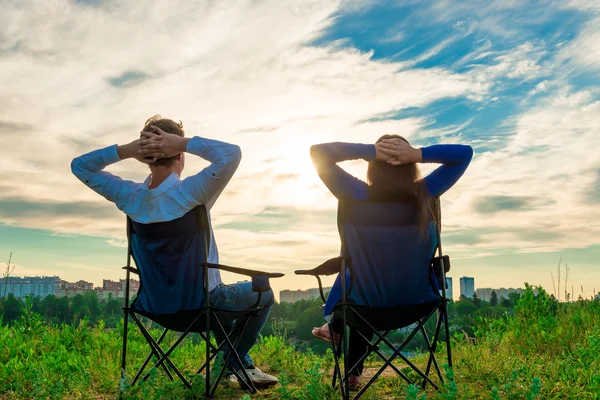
(392, 174)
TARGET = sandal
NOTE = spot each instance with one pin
(323, 334)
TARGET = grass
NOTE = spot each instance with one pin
(547, 350)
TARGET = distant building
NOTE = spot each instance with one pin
(292, 296)
(486, 293)
(449, 287)
(467, 287)
(30, 286)
(116, 289)
(73, 288)
(109, 285)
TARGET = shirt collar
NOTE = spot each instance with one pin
(168, 183)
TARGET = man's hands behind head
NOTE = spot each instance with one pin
(141, 149)
(158, 144)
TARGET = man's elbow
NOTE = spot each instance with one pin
(230, 161)
(76, 166)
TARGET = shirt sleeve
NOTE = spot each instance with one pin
(88, 168)
(341, 184)
(455, 159)
(206, 186)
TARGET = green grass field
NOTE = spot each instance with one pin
(546, 350)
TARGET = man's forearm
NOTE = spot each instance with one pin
(182, 144)
(126, 151)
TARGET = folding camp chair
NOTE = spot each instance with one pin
(172, 264)
(392, 283)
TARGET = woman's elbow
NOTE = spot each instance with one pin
(317, 153)
(468, 152)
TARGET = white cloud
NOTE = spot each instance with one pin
(523, 63)
(246, 73)
(584, 51)
(221, 69)
(547, 165)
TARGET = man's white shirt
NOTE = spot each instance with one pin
(174, 197)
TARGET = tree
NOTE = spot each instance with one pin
(476, 300)
(493, 299)
(12, 308)
(514, 298)
(305, 322)
(464, 308)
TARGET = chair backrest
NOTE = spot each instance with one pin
(170, 257)
(389, 256)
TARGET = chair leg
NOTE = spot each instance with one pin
(155, 353)
(124, 351)
(247, 382)
(164, 356)
(246, 379)
(336, 355)
(208, 348)
(374, 348)
(397, 351)
(447, 328)
(432, 346)
(219, 346)
(215, 352)
(344, 342)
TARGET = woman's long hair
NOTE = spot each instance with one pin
(400, 183)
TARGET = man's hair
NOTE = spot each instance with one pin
(169, 126)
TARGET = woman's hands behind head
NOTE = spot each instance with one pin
(397, 152)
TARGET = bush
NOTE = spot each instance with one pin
(545, 350)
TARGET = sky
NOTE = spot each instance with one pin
(517, 80)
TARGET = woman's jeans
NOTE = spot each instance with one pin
(240, 297)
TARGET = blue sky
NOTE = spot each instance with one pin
(518, 80)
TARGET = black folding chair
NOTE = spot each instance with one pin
(394, 281)
(172, 264)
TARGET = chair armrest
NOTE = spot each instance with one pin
(260, 279)
(329, 267)
(437, 262)
(243, 271)
(132, 270)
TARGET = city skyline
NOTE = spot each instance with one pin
(116, 288)
(43, 286)
(276, 77)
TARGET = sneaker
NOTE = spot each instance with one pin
(257, 377)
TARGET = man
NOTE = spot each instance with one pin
(163, 196)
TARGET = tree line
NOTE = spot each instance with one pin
(294, 320)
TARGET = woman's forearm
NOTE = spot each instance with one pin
(447, 154)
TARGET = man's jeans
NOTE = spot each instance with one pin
(240, 297)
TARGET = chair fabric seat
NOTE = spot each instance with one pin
(389, 255)
(180, 321)
(169, 258)
(389, 258)
(384, 319)
(173, 267)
